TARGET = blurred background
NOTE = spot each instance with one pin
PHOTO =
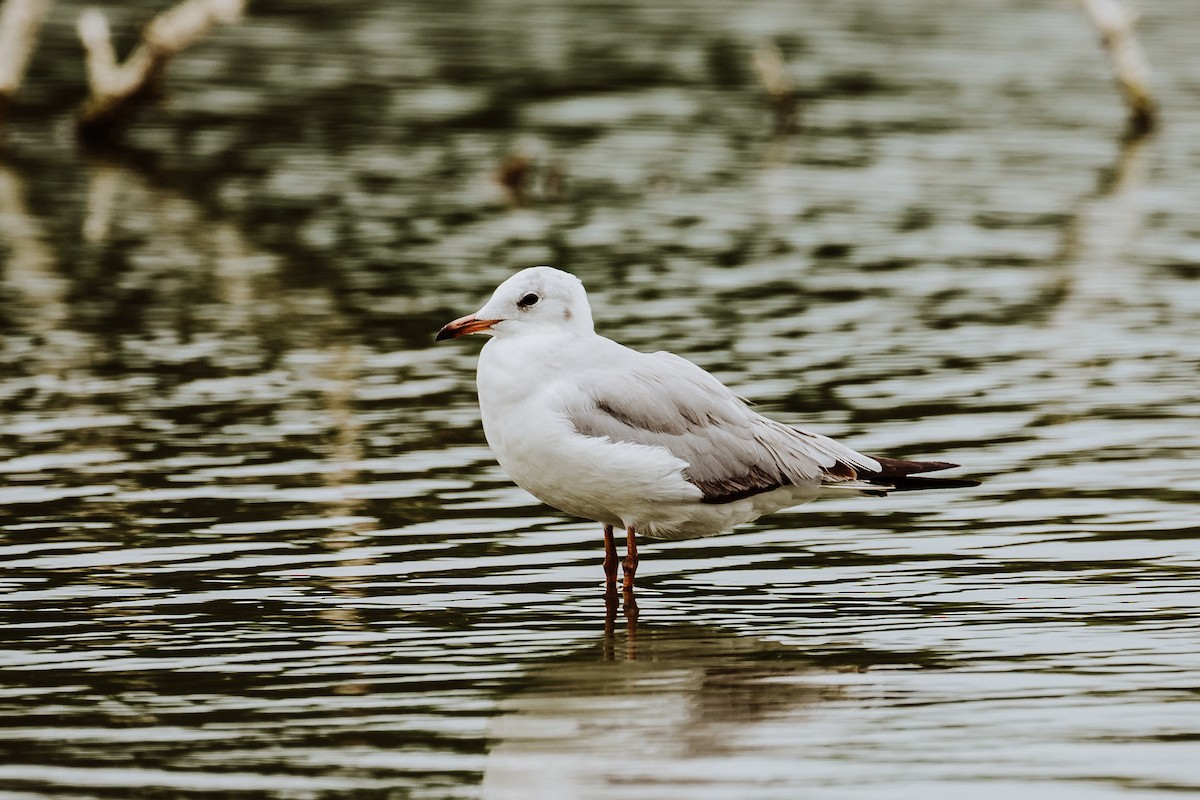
(253, 544)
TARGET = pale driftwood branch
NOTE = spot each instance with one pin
(20, 21)
(1115, 24)
(117, 89)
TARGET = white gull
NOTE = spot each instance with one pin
(648, 442)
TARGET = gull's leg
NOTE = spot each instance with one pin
(610, 556)
(631, 559)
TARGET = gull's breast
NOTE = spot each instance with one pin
(525, 388)
(616, 483)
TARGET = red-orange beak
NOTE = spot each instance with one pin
(464, 325)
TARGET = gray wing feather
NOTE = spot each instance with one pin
(662, 400)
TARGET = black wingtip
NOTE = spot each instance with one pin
(898, 475)
(889, 467)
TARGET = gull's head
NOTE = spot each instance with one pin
(535, 300)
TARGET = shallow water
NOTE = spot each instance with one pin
(253, 544)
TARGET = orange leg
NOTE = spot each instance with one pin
(610, 556)
(631, 559)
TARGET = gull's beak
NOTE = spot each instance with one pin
(464, 325)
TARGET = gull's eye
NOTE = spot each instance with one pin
(527, 300)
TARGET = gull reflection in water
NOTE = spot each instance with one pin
(680, 710)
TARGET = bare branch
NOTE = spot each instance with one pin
(20, 21)
(1115, 24)
(118, 89)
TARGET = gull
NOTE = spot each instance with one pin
(645, 442)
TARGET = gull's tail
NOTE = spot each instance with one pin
(898, 475)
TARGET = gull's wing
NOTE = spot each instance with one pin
(662, 400)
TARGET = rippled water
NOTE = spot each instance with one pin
(252, 541)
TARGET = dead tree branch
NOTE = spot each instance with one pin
(1115, 25)
(117, 90)
(20, 21)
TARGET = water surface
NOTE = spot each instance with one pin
(253, 544)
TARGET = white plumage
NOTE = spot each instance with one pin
(649, 442)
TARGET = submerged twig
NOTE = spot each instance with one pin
(513, 177)
(525, 178)
(772, 71)
(30, 273)
(20, 21)
(1132, 71)
(118, 89)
